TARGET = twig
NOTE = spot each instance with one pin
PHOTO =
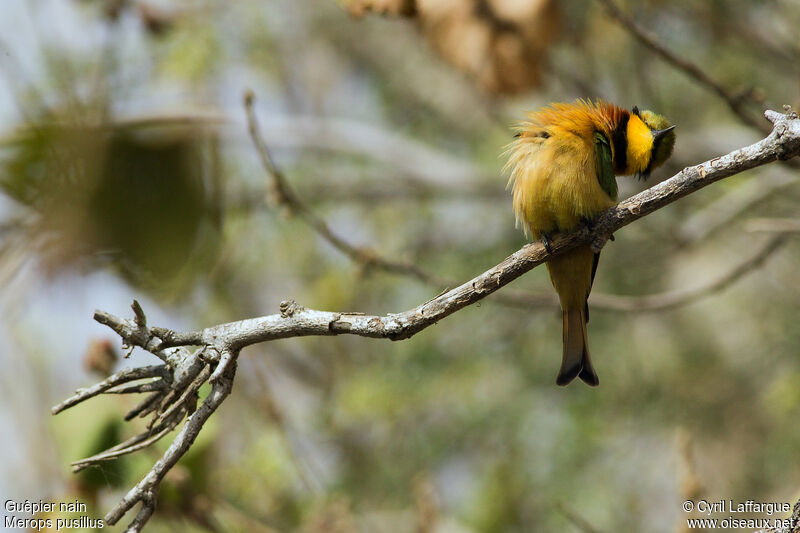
(665, 300)
(774, 225)
(142, 441)
(283, 195)
(123, 376)
(414, 161)
(170, 415)
(734, 101)
(221, 344)
(146, 490)
(329, 189)
(144, 407)
(188, 396)
(719, 213)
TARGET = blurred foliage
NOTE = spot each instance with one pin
(139, 196)
(335, 434)
(111, 474)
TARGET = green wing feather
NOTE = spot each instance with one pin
(605, 166)
(608, 182)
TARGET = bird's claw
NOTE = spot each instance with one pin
(546, 243)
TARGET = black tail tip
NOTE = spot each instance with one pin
(566, 375)
(589, 376)
(586, 373)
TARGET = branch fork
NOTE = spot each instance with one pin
(173, 396)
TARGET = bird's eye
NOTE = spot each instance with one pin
(635, 111)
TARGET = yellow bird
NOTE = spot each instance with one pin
(563, 165)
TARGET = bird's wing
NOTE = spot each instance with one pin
(608, 182)
(604, 165)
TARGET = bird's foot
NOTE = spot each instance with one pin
(599, 241)
(546, 242)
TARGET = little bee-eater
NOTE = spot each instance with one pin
(563, 167)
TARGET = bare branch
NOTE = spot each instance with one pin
(673, 299)
(134, 388)
(735, 101)
(774, 225)
(171, 338)
(661, 301)
(139, 319)
(723, 210)
(169, 415)
(149, 339)
(413, 161)
(221, 344)
(139, 442)
(187, 399)
(144, 407)
(283, 195)
(296, 321)
(123, 376)
(146, 490)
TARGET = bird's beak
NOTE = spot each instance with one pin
(657, 134)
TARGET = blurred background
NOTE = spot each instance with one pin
(128, 172)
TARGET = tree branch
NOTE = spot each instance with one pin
(774, 225)
(146, 491)
(414, 161)
(730, 205)
(282, 194)
(734, 101)
(183, 371)
(665, 300)
(783, 142)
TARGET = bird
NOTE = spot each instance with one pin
(563, 165)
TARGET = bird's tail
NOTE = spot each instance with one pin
(576, 361)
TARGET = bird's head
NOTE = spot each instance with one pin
(650, 142)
